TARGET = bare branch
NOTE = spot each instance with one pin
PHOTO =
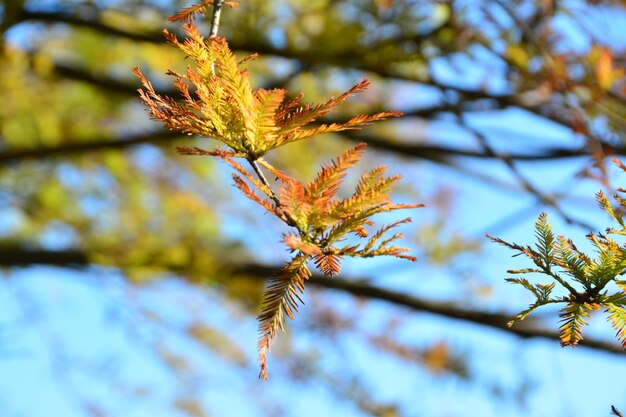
(80, 147)
(17, 257)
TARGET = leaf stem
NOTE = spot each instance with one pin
(561, 281)
(288, 219)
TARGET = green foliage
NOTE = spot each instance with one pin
(585, 280)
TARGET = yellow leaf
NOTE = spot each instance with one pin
(518, 56)
(604, 69)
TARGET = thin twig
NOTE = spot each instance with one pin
(524, 182)
(288, 219)
(215, 24)
(217, 13)
(528, 33)
(264, 181)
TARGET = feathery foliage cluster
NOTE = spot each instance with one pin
(589, 283)
(224, 106)
(219, 102)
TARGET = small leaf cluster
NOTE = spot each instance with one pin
(217, 101)
(322, 223)
(584, 279)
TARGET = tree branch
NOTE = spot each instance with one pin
(79, 147)
(90, 23)
(16, 257)
(438, 154)
(434, 153)
(106, 83)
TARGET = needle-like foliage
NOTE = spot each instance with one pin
(188, 14)
(323, 222)
(584, 280)
(219, 102)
